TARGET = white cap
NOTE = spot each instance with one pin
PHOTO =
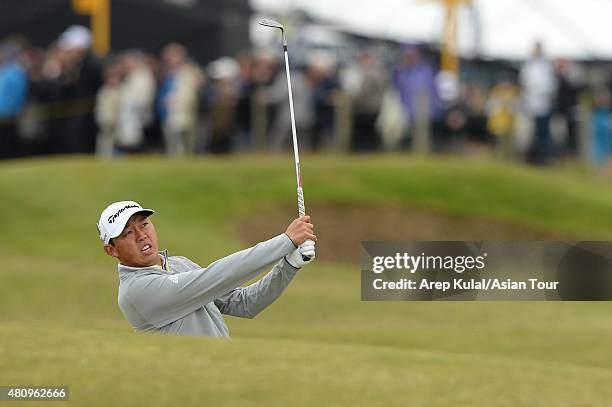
(115, 216)
(75, 37)
(223, 68)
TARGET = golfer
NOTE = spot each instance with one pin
(174, 295)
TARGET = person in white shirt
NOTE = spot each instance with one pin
(538, 86)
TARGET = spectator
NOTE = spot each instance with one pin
(137, 93)
(538, 86)
(221, 100)
(81, 78)
(303, 105)
(501, 115)
(177, 103)
(415, 82)
(366, 82)
(322, 79)
(570, 83)
(601, 125)
(13, 91)
(244, 106)
(107, 110)
(264, 70)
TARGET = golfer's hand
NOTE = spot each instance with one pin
(301, 230)
(303, 255)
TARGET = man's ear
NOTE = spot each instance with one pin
(111, 250)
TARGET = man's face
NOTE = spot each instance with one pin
(137, 245)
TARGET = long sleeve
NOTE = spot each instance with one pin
(164, 298)
(249, 301)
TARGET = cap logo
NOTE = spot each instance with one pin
(113, 217)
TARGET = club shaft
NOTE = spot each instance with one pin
(296, 153)
(293, 130)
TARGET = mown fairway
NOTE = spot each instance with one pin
(319, 344)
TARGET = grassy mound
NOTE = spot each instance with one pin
(319, 345)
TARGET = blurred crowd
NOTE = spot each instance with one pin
(65, 100)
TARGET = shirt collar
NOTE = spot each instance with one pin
(164, 256)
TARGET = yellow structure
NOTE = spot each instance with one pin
(99, 10)
(449, 60)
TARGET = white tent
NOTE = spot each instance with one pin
(492, 28)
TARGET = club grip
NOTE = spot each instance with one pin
(301, 211)
(301, 207)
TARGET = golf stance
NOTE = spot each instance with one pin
(175, 295)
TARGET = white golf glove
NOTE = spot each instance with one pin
(296, 257)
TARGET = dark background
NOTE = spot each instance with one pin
(143, 24)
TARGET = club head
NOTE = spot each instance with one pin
(271, 23)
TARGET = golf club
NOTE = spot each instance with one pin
(296, 154)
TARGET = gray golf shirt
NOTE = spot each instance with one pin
(184, 298)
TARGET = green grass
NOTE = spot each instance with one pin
(319, 344)
(120, 368)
